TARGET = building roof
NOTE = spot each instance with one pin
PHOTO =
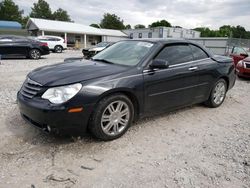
(70, 27)
(10, 25)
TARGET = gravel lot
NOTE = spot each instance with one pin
(192, 147)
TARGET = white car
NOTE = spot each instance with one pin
(55, 43)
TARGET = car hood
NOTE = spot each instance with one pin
(97, 49)
(72, 72)
(247, 59)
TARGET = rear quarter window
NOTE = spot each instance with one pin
(198, 53)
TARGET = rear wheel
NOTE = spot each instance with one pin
(58, 49)
(218, 94)
(34, 54)
(112, 117)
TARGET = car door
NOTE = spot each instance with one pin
(174, 86)
(207, 72)
(20, 46)
(52, 42)
(6, 45)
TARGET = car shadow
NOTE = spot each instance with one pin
(34, 136)
(244, 79)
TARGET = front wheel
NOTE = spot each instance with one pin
(112, 117)
(218, 94)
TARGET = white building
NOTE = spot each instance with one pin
(73, 33)
(162, 32)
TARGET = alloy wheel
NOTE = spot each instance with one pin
(219, 93)
(35, 54)
(115, 118)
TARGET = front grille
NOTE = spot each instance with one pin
(247, 65)
(30, 88)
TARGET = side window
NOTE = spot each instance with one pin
(150, 35)
(198, 53)
(176, 54)
(131, 35)
(238, 51)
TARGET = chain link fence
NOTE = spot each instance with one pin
(245, 43)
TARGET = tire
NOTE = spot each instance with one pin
(218, 94)
(112, 117)
(58, 49)
(34, 54)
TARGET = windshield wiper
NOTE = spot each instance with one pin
(103, 60)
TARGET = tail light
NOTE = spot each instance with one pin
(43, 44)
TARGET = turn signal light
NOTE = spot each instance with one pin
(74, 110)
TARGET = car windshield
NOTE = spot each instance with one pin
(102, 44)
(127, 53)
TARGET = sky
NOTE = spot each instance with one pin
(185, 13)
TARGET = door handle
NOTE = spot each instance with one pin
(193, 68)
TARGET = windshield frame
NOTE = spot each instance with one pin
(141, 60)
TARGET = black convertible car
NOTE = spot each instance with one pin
(130, 79)
(22, 46)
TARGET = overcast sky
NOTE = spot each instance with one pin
(185, 13)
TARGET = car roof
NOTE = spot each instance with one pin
(47, 36)
(13, 36)
(164, 41)
(172, 41)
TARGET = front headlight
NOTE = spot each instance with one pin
(240, 63)
(58, 95)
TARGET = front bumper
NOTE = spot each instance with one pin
(53, 118)
(243, 72)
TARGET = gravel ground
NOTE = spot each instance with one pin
(192, 147)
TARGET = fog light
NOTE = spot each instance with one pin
(49, 128)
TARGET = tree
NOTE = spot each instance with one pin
(10, 11)
(163, 23)
(112, 21)
(128, 26)
(61, 15)
(94, 25)
(139, 26)
(41, 9)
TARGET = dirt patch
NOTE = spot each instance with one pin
(191, 147)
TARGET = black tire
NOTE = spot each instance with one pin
(96, 125)
(211, 101)
(58, 49)
(34, 54)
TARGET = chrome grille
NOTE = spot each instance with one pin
(247, 65)
(30, 88)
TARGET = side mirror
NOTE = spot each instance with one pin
(159, 64)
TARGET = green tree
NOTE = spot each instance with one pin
(94, 25)
(128, 26)
(226, 31)
(112, 21)
(41, 9)
(10, 11)
(163, 23)
(61, 15)
(139, 26)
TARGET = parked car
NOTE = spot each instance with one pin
(22, 46)
(128, 80)
(242, 61)
(90, 52)
(55, 44)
